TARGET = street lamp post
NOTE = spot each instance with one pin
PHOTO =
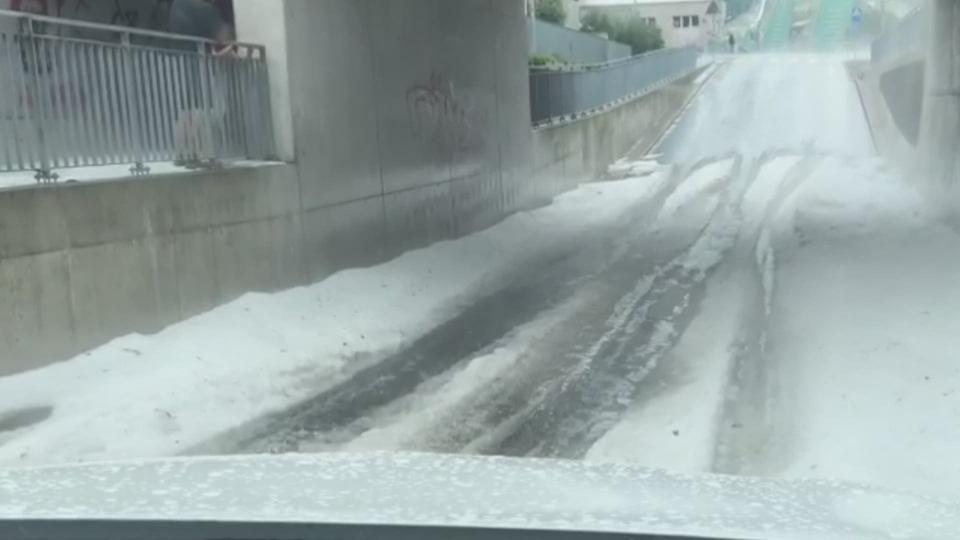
(532, 12)
(883, 16)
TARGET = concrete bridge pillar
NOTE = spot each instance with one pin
(940, 137)
(408, 120)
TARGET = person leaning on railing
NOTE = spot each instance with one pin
(203, 114)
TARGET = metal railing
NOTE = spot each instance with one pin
(908, 36)
(81, 94)
(571, 92)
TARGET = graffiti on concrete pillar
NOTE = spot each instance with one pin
(438, 114)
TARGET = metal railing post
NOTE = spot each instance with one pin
(134, 108)
(271, 143)
(12, 97)
(208, 154)
(253, 101)
(44, 173)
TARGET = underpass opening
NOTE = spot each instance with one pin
(760, 294)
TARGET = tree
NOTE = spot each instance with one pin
(635, 31)
(551, 11)
(596, 22)
(639, 34)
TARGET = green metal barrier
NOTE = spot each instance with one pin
(832, 24)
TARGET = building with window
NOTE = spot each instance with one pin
(682, 22)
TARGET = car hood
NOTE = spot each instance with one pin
(492, 492)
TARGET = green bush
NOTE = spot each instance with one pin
(641, 37)
(635, 32)
(551, 11)
(546, 60)
(596, 22)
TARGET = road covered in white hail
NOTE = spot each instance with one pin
(828, 332)
(763, 296)
(783, 308)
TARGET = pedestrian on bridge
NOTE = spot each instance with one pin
(205, 111)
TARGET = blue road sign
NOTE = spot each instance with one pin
(856, 15)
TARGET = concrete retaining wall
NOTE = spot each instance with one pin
(410, 121)
(568, 154)
(413, 133)
(894, 140)
(893, 89)
(912, 97)
(83, 263)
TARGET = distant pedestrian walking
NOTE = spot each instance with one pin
(733, 43)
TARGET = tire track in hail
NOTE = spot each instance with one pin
(465, 336)
(748, 421)
(567, 415)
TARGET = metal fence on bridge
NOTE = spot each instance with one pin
(573, 46)
(570, 92)
(80, 94)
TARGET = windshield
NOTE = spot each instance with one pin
(703, 236)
